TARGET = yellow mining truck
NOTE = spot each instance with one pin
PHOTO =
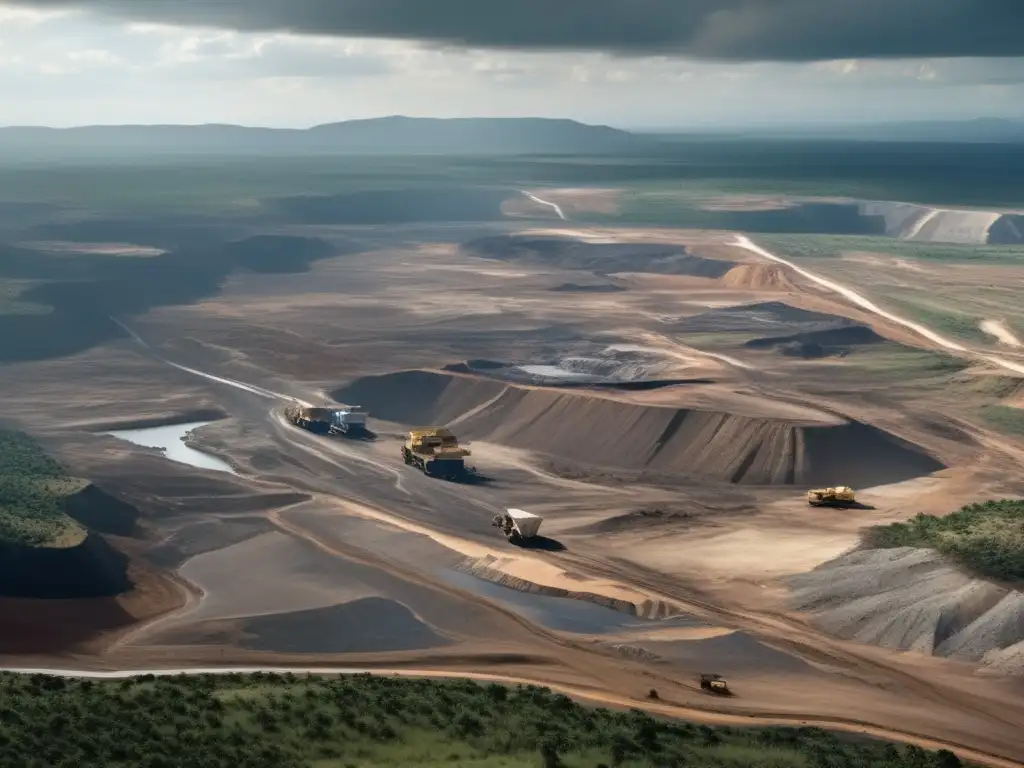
(839, 496)
(436, 451)
(712, 683)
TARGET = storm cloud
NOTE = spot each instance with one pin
(737, 30)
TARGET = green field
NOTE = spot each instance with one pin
(664, 185)
(901, 362)
(833, 246)
(287, 721)
(934, 315)
(1004, 418)
(32, 491)
(986, 538)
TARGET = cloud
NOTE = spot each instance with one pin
(776, 30)
(228, 55)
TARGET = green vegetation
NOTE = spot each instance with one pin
(662, 182)
(945, 321)
(32, 491)
(902, 362)
(987, 538)
(1005, 418)
(247, 721)
(833, 246)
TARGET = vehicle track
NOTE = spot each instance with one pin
(782, 631)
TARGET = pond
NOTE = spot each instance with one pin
(562, 614)
(170, 439)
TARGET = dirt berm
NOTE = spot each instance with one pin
(603, 432)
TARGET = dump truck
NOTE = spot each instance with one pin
(839, 496)
(518, 524)
(328, 420)
(714, 684)
(436, 451)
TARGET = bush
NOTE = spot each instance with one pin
(987, 538)
(367, 721)
(32, 491)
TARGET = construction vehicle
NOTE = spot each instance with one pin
(518, 524)
(839, 496)
(436, 451)
(715, 684)
(329, 420)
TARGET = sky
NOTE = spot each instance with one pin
(627, 63)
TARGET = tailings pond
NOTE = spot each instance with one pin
(170, 438)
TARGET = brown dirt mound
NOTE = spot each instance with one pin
(758, 277)
(606, 433)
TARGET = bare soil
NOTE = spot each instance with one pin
(677, 501)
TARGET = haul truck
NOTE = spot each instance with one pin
(518, 524)
(436, 451)
(329, 420)
(712, 683)
(839, 496)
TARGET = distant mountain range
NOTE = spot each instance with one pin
(526, 135)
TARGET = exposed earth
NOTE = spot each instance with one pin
(664, 398)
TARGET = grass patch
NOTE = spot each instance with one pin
(906, 361)
(988, 538)
(1004, 418)
(947, 322)
(288, 721)
(32, 491)
(833, 246)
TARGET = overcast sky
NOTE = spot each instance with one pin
(629, 63)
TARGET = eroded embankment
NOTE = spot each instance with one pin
(607, 433)
(604, 258)
(913, 599)
(93, 568)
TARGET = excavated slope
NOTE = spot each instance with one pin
(913, 599)
(608, 433)
(907, 221)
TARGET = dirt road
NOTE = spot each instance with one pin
(557, 208)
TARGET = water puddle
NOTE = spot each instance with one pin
(170, 438)
(562, 614)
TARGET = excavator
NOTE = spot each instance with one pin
(837, 496)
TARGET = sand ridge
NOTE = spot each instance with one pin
(912, 599)
(603, 432)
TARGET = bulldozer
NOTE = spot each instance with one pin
(839, 496)
(436, 451)
(715, 684)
